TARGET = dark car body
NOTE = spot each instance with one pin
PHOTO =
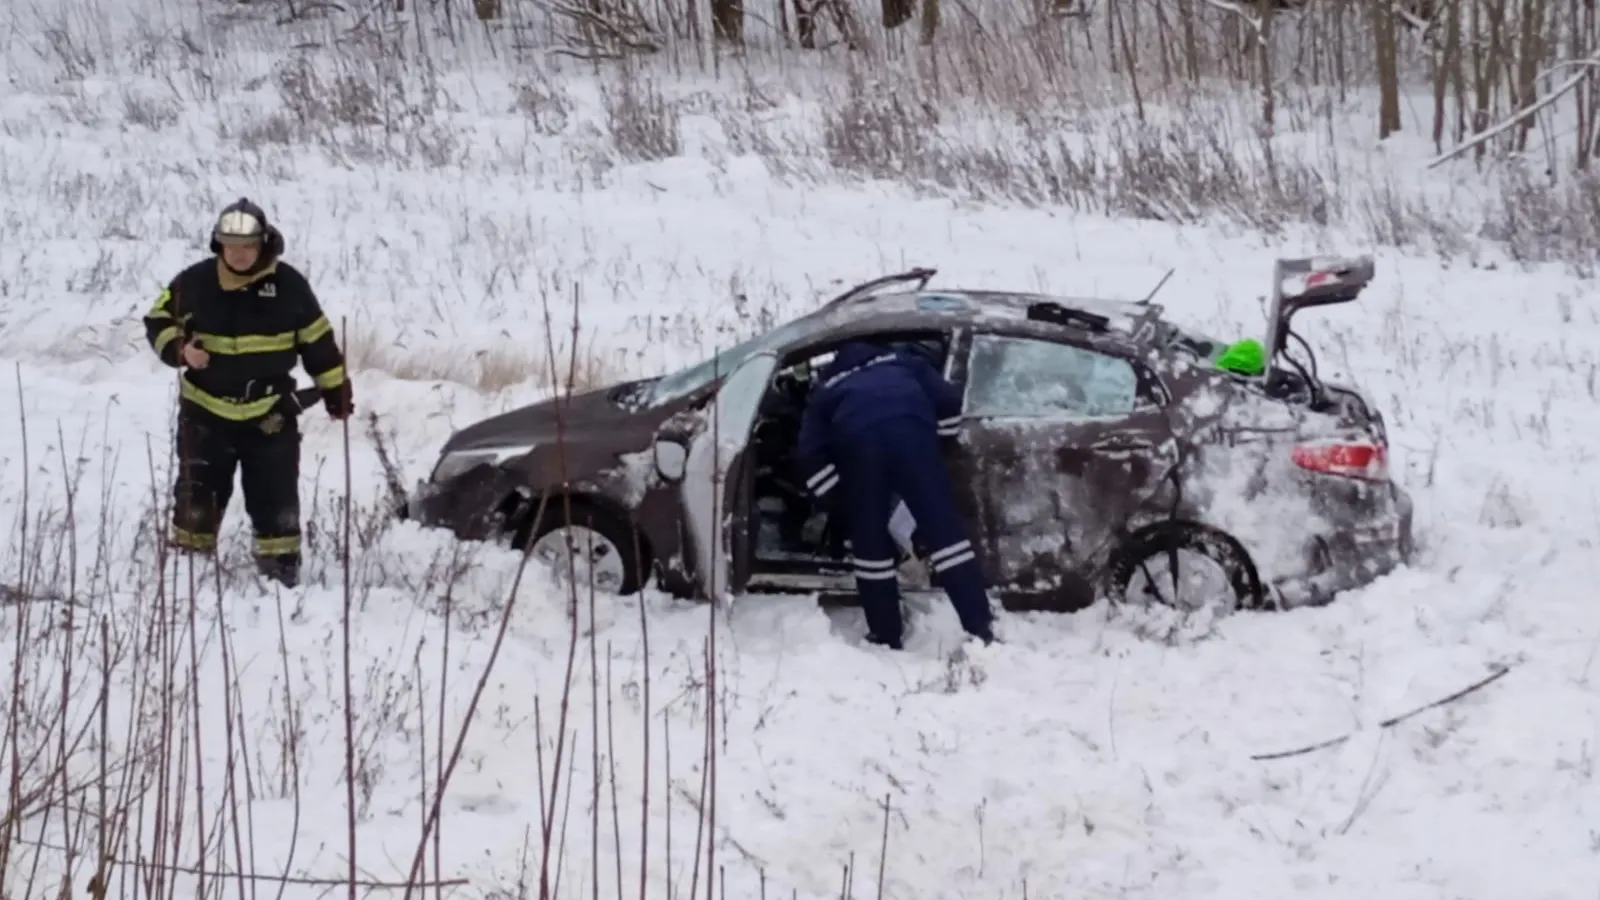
(1088, 425)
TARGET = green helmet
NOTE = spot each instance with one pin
(1246, 357)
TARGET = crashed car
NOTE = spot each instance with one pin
(1104, 451)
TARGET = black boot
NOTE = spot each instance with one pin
(284, 569)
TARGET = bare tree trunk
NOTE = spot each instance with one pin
(1191, 38)
(1387, 63)
(727, 20)
(930, 20)
(1130, 61)
(805, 23)
(1589, 96)
(1340, 48)
(896, 12)
(1164, 45)
(1530, 57)
(1487, 58)
(1447, 65)
(1269, 101)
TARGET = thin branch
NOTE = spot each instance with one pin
(1478, 685)
(300, 880)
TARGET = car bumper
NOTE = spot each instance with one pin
(1350, 557)
(472, 506)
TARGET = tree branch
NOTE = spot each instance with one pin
(1481, 683)
(1588, 66)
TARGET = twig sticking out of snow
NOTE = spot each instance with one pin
(1388, 723)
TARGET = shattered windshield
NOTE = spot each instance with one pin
(686, 381)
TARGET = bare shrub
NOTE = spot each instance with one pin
(432, 144)
(1397, 218)
(642, 122)
(546, 106)
(753, 123)
(1190, 171)
(604, 29)
(1185, 169)
(367, 111)
(277, 128)
(315, 100)
(76, 107)
(154, 113)
(782, 150)
(76, 52)
(879, 132)
(1539, 221)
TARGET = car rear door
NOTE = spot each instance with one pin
(1060, 444)
(712, 475)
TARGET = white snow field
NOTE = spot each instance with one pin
(185, 735)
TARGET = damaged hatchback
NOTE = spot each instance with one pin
(1103, 451)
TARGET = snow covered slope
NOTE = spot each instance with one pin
(1105, 754)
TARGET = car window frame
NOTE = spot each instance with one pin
(1149, 393)
(777, 340)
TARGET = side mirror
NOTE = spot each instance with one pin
(671, 458)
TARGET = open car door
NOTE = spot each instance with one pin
(712, 475)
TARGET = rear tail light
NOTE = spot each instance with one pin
(1361, 459)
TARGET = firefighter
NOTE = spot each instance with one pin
(870, 434)
(234, 325)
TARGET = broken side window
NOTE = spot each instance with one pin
(1014, 376)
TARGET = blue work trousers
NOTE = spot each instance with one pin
(901, 458)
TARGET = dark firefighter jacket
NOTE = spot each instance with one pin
(863, 386)
(255, 328)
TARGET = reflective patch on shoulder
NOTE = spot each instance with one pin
(941, 302)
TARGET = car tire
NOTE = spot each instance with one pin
(1157, 542)
(622, 548)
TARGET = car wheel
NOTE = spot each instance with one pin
(1185, 566)
(585, 544)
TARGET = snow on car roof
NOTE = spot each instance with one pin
(1123, 316)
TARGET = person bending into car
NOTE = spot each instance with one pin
(870, 433)
(235, 324)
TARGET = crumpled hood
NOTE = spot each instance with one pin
(542, 422)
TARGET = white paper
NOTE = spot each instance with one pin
(901, 525)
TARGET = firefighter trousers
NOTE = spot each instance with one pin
(902, 458)
(265, 454)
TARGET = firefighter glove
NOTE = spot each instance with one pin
(339, 401)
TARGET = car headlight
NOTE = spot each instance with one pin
(459, 462)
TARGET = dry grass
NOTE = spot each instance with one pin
(642, 123)
(1001, 108)
(1005, 109)
(491, 370)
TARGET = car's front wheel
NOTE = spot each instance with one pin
(584, 544)
(1186, 566)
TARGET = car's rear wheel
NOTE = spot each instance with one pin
(583, 544)
(1185, 566)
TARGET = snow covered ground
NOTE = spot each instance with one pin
(1105, 754)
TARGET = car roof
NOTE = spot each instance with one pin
(933, 308)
